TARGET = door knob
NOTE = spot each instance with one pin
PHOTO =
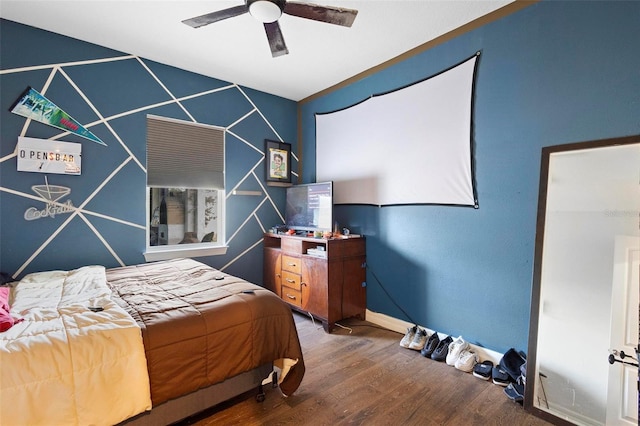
(612, 358)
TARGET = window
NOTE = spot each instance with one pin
(185, 189)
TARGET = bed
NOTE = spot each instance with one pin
(143, 344)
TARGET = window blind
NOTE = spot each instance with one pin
(183, 154)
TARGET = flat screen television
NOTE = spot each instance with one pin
(310, 207)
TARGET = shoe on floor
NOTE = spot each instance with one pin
(431, 345)
(515, 392)
(419, 340)
(483, 370)
(500, 377)
(466, 360)
(408, 337)
(440, 354)
(511, 362)
(455, 349)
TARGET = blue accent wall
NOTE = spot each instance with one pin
(553, 73)
(111, 93)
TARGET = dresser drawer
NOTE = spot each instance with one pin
(291, 296)
(291, 264)
(291, 280)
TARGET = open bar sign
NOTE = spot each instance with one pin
(46, 156)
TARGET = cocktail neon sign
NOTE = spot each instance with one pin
(50, 194)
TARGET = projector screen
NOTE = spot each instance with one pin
(409, 146)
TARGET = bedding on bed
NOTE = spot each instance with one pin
(201, 326)
(75, 357)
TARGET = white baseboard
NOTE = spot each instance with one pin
(400, 326)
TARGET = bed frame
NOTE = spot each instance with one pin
(195, 402)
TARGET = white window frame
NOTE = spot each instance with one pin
(175, 251)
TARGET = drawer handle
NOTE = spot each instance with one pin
(291, 297)
(289, 280)
(291, 264)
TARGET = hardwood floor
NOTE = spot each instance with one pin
(365, 377)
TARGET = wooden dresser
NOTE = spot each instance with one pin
(321, 277)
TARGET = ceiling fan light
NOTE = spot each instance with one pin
(265, 11)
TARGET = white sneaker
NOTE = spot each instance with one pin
(466, 361)
(419, 340)
(408, 338)
(455, 349)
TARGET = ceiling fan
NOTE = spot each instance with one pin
(269, 11)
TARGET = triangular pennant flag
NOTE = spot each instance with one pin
(33, 105)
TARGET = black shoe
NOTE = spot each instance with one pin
(500, 377)
(515, 392)
(511, 362)
(483, 370)
(440, 354)
(431, 345)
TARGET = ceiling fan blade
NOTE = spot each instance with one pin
(331, 15)
(212, 17)
(276, 40)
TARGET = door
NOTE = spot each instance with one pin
(622, 394)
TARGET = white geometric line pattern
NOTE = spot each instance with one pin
(81, 211)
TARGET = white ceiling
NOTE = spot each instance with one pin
(236, 49)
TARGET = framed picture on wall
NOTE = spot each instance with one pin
(278, 163)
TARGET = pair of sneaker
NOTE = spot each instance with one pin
(461, 356)
(408, 337)
(415, 338)
(455, 349)
(431, 345)
(441, 351)
(466, 361)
